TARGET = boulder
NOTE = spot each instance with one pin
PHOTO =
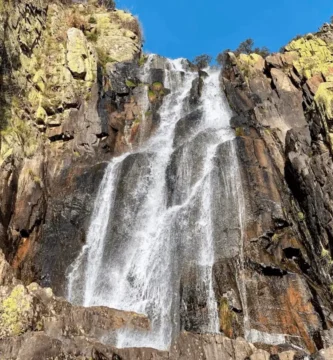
(6, 272)
(77, 53)
(324, 354)
(260, 355)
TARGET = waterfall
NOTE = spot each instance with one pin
(152, 239)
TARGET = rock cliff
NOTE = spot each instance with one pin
(72, 95)
(69, 102)
(283, 111)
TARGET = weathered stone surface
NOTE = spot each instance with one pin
(325, 354)
(6, 272)
(285, 160)
(287, 355)
(36, 324)
(33, 308)
(77, 53)
(120, 29)
(260, 355)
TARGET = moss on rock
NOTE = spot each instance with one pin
(152, 96)
(130, 84)
(226, 317)
(157, 86)
(15, 312)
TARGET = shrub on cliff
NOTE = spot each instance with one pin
(245, 47)
(222, 57)
(76, 20)
(263, 51)
(109, 4)
(202, 61)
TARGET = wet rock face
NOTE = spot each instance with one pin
(282, 111)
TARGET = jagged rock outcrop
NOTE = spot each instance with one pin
(282, 122)
(34, 324)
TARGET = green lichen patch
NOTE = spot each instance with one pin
(130, 83)
(157, 86)
(92, 20)
(156, 91)
(92, 36)
(35, 177)
(239, 131)
(103, 57)
(324, 99)
(143, 59)
(15, 312)
(19, 135)
(314, 57)
(226, 317)
(301, 216)
(152, 96)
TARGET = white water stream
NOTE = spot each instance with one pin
(147, 231)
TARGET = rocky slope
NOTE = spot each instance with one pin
(34, 325)
(73, 94)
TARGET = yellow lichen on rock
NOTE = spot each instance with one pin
(324, 102)
(116, 36)
(56, 48)
(15, 312)
(324, 99)
(315, 57)
(19, 136)
(78, 54)
(226, 317)
(249, 64)
(251, 59)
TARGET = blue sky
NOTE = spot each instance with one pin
(186, 28)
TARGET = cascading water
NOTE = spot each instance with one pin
(153, 234)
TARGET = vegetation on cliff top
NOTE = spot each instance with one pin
(108, 4)
(245, 47)
(202, 61)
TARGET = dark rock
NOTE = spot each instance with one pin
(186, 126)
(66, 221)
(119, 73)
